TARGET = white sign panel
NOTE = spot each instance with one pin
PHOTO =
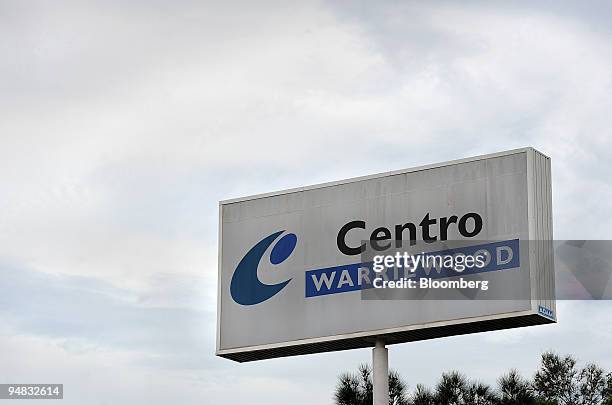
(293, 273)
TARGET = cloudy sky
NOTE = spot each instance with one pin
(122, 124)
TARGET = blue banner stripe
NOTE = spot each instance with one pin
(358, 276)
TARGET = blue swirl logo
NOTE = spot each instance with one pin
(246, 288)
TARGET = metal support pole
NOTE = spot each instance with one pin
(380, 367)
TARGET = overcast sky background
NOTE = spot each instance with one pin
(122, 124)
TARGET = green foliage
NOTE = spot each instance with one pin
(556, 382)
(515, 390)
(422, 396)
(356, 389)
(592, 385)
(349, 391)
(451, 389)
(397, 389)
(539, 401)
(607, 392)
(480, 394)
(559, 382)
(455, 389)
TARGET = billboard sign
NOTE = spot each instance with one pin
(297, 268)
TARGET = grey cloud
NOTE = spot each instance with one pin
(88, 312)
(123, 123)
